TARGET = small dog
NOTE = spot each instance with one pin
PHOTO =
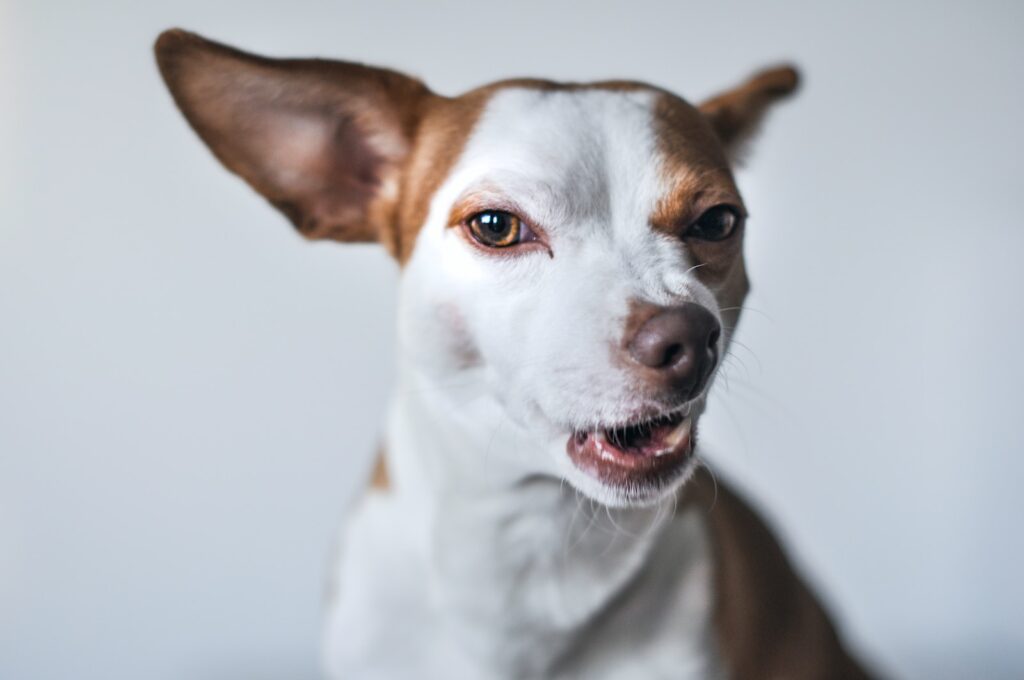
(572, 268)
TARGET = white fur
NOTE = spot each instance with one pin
(481, 562)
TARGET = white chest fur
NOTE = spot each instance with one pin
(483, 577)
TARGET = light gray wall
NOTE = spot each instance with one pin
(189, 393)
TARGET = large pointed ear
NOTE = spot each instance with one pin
(323, 141)
(736, 114)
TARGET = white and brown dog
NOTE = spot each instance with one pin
(572, 267)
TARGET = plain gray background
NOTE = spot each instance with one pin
(189, 393)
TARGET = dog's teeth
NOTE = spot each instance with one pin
(674, 438)
(602, 445)
(602, 448)
(681, 431)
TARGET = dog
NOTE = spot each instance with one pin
(571, 274)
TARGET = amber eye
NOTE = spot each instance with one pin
(498, 229)
(716, 224)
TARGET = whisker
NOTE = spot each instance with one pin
(714, 482)
(747, 308)
(696, 266)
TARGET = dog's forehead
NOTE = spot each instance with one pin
(563, 156)
(568, 132)
(560, 125)
(582, 145)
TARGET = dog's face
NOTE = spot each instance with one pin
(576, 250)
(577, 258)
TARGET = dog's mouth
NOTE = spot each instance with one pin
(652, 452)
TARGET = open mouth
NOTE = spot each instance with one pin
(652, 451)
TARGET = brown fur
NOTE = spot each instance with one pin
(380, 480)
(695, 166)
(770, 625)
(736, 114)
(442, 134)
(323, 141)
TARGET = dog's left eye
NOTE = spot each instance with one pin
(498, 229)
(715, 224)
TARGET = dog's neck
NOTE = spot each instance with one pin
(524, 566)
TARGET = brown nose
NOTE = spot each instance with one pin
(681, 344)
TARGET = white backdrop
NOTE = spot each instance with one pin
(189, 394)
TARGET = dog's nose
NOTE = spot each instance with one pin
(681, 344)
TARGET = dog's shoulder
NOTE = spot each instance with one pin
(768, 621)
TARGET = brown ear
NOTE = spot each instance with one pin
(736, 114)
(323, 141)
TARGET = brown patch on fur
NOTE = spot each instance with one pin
(736, 114)
(694, 145)
(444, 128)
(380, 480)
(769, 624)
(364, 148)
(696, 171)
(321, 140)
(694, 166)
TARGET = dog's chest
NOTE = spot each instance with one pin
(474, 600)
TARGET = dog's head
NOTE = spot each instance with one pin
(576, 249)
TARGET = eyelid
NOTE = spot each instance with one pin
(487, 196)
(526, 232)
(735, 208)
(470, 206)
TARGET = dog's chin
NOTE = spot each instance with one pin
(635, 464)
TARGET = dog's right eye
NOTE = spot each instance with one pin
(498, 229)
(716, 224)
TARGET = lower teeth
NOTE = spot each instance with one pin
(676, 435)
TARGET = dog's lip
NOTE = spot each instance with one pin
(622, 455)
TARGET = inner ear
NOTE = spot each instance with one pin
(736, 114)
(323, 141)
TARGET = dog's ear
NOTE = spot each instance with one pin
(736, 114)
(323, 141)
